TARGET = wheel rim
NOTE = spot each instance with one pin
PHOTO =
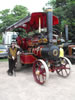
(65, 68)
(40, 71)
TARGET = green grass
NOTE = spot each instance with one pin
(3, 59)
(0, 38)
(0, 41)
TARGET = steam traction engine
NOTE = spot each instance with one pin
(40, 50)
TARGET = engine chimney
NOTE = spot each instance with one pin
(66, 32)
(50, 24)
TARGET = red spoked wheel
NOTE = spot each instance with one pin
(40, 71)
(65, 67)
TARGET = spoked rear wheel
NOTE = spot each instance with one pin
(40, 71)
(65, 67)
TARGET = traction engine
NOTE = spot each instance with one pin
(41, 52)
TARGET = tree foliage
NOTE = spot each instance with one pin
(65, 11)
(8, 17)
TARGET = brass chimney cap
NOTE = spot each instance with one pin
(49, 10)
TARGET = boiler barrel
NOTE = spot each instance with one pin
(50, 52)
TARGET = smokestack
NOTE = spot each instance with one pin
(66, 32)
(50, 24)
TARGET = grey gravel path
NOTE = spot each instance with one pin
(23, 86)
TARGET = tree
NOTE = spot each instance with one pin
(20, 12)
(64, 9)
(3, 16)
(8, 17)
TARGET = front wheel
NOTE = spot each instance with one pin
(40, 71)
(64, 68)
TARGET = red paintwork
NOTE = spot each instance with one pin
(22, 42)
(27, 58)
(18, 39)
(34, 21)
(29, 42)
(37, 51)
(31, 23)
(37, 66)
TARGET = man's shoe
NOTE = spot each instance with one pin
(10, 73)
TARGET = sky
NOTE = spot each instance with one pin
(32, 5)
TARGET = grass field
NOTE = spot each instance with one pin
(0, 41)
(3, 59)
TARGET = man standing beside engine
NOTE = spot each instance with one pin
(12, 58)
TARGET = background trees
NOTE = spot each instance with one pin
(8, 17)
(65, 11)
